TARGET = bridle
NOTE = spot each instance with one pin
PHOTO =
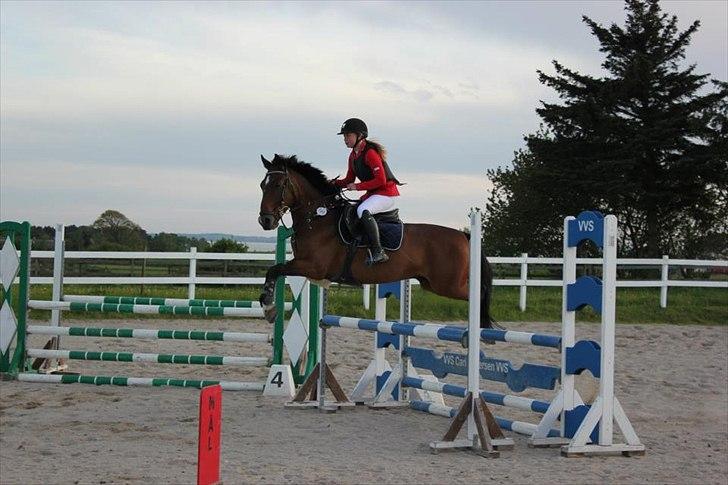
(283, 207)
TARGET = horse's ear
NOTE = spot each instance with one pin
(266, 163)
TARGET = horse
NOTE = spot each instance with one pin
(436, 256)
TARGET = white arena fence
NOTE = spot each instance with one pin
(665, 264)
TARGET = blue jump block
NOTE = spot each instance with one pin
(587, 290)
(387, 340)
(584, 355)
(529, 375)
(574, 419)
(587, 225)
(386, 289)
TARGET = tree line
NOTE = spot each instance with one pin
(113, 231)
(646, 139)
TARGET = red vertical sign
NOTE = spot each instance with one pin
(208, 454)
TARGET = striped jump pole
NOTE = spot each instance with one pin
(448, 333)
(436, 332)
(145, 309)
(144, 333)
(150, 358)
(138, 381)
(142, 300)
(526, 338)
(506, 400)
(519, 427)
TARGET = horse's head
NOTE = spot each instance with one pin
(290, 184)
(277, 193)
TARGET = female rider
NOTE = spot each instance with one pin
(367, 161)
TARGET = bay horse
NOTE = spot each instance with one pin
(438, 257)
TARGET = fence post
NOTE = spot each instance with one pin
(665, 274)
(366, 295)
(193, 274)
(524, 278)
(58, 258)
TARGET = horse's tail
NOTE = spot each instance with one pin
(486, 292)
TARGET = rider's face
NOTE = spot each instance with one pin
(349, 139)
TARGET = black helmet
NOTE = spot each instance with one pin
(354, 125)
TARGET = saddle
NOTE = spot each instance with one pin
(390, 229)
(352, 235)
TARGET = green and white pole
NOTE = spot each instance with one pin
(139, 381)
(144, 333)
(145, 300)
(208, 311)
(150, 358)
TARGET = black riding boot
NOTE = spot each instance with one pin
(372, 230)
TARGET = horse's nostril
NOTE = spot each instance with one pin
(266, 221)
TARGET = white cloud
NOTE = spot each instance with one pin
(262, 61)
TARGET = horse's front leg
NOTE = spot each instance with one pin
(267, 297)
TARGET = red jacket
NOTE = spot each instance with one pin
(378, 184)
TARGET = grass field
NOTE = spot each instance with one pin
(706, 306)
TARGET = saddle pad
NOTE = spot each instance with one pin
(390, 234)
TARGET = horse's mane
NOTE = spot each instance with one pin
(312, 174)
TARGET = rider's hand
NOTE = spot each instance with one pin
(351, 186)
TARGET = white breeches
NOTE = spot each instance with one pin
(376, 204)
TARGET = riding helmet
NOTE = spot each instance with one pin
(354, 125)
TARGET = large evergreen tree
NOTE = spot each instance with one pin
(646, 141)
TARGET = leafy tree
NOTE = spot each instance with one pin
(117, 232)
(80, 238)
(226, 245)
(42, 237)
(646, 142)
(169, 242)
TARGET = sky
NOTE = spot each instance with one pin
(162, 110)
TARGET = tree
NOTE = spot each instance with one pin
(226, 245)
(646, 142)
(117, 232)
(80, 238)
(167, 242)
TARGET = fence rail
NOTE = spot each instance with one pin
(664, 264)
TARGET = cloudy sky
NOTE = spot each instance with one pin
(161, 110)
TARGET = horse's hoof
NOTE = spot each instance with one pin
(265, 300)
(270, 313)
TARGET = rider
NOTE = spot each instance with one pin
(367, 161)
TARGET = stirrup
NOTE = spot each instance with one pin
(379, 257)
